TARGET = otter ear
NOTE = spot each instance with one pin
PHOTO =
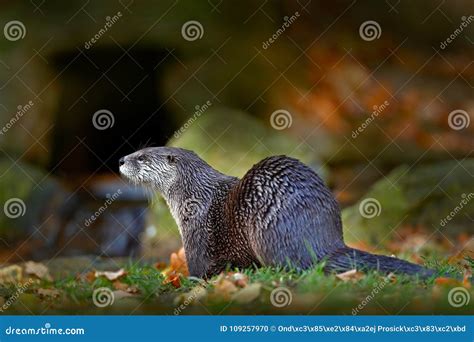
(171, 159)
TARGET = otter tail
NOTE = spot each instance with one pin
(345, 258)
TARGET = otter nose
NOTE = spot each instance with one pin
(121, 161)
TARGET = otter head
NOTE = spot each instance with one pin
(157, 167)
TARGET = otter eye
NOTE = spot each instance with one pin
(141, 158)
(171, 159)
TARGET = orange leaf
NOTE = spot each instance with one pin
(178, 267)
(173, 279)
(466, 282)
(178, 262)
(446, 281)
(118, 285)
(160, 265)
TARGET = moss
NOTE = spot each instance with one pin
(422, 195)
(19, 181)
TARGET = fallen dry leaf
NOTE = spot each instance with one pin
(466, 282)
(118, 285)
(90, 276)
(133, 289)
(87, 277)
(447, 281)
(239, 279)
(225, 288)
(37, 269)
(247, 294)
(11, 274)
(173, 279)
(111, 275)
(391, 277)
(48, 293)
(352, 275)
(178, 268)
(178, 262)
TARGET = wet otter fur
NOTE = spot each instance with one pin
(279, 214)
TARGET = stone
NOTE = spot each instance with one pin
(438, 196)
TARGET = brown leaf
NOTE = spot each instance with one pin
(118, 285)
(11, 274)
(224, 287)
(247, 294)
(133, 289)
(239, 279)
(90, 276)
(111, 275)
(37, 269)
(392, 278)
(352, 275)
(48, 293)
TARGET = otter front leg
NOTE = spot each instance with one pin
(199, 263)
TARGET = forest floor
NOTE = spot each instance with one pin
(164, 288)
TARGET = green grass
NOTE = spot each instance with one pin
(312, 292)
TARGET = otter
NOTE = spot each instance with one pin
(279, 214)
